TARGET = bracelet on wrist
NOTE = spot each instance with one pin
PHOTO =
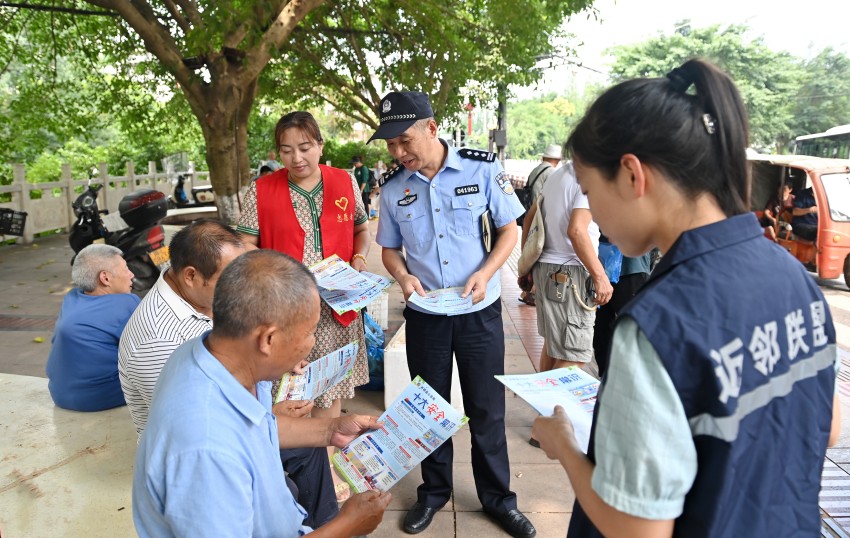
(358, 255)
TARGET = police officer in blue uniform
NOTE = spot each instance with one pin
(435, 206)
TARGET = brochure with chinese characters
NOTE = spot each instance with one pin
(319, 376)
(343, 287)
(443, 301)
(571, 388)
(416, 423)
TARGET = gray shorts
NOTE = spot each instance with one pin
(561, 320)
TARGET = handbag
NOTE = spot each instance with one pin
(534, 240)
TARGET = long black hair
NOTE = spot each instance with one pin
(697, 139)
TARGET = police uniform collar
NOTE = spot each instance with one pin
(699, 241)
(453, 159)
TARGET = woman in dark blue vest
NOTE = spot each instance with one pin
(717, 408)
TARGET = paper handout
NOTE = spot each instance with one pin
(572, 388)
(443, 301)
(415, 425)
(343, 287)
(319, 376)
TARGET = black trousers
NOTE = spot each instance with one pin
(606, 315)
(366, 200)
(311, 483)
(477, 341)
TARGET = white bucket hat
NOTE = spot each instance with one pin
(553, 151)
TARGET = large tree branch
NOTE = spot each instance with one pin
(280, 30)
(191, 10)
(178, 17)
(158, 41)
(57, 9)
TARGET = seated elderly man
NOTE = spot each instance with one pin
(179, 308)
(82, 367)
(208, 462)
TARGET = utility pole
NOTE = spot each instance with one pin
(499, 136)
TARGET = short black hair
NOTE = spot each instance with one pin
(199, 245)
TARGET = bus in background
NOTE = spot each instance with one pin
(833, 144)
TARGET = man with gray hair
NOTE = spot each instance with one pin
(208, 459)
(82, 367)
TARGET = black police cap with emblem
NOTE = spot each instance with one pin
(400, 110)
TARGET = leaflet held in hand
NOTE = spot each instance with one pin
(415, 425)
(343, 287)
(572, 388)
(319, 376)
(443, 301)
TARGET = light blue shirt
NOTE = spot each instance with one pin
(438, 221)
(208, 463)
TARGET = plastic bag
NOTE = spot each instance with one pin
(374, 332)
(375, 340)
(612, 261)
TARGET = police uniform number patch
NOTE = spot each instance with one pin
(466, 189)
(505, 184)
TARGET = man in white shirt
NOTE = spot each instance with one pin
(566, 306)
(179, 308)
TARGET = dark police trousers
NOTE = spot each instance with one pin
(478, 343)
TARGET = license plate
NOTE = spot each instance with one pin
(160, 256)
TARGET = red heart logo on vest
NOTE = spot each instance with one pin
(342, 203)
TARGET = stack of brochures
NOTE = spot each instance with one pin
(344, 288)
(319, 376)
(415, 425)
(572, 388)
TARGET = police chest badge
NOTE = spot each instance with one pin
(505, 184)
(407, 200)
(466, 189)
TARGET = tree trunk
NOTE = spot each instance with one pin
(225, 129)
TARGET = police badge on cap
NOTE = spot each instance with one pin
(400, 110)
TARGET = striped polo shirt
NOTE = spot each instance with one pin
(162, 321)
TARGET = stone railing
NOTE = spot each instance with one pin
(53, 210)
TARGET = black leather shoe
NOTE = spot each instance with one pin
(418, 518)
(515, 524)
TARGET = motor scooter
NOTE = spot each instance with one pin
(137, 232)
(201, 195)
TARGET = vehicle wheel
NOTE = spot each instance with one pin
(847, 271)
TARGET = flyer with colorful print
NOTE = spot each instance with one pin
(572, 388)
(415, 425)
(319, 376)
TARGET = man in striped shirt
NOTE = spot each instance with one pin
(179, 308)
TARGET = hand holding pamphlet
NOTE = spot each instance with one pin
(572, 388)
(343, 287)
(319, 376)
(416, 423)
(443, 301)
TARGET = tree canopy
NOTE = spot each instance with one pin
(210, 58)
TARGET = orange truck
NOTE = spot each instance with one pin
(829, 179)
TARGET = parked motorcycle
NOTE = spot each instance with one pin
(201, 195)
(137, 233)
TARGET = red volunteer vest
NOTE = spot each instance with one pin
(281, 231)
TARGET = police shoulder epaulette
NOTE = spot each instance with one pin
(391, 173)
(477, 155)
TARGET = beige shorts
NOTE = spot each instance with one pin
(561, 320)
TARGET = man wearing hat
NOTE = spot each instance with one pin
(550, 158)
(432, 206)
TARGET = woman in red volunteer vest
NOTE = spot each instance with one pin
(311, 211)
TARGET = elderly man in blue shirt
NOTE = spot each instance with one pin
(435, 206)
(208, 463)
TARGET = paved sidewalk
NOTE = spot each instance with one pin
(66, 473)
